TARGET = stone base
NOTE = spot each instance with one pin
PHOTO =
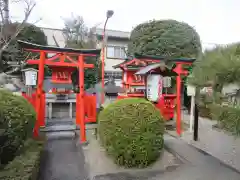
(98, 163)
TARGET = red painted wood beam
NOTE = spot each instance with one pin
(81, 100)
(54, 52)
(54, 57)
(72, 60)
(178, 70)
(39, 103)
(62, 58)
(64, 64)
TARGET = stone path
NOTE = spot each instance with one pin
(197, 166)
(218, 143)
(62, 160)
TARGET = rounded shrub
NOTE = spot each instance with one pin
(17, 118)
(131, 130)
(165, 38)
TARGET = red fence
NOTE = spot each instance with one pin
(90, 108)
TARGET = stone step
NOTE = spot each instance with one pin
(60, 127)
(60, 121)
(60, 135)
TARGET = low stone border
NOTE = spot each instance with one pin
(99, 164)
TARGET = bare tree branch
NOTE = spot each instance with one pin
(6, 36)
(21, 65)
(29, 7)
(55, 40)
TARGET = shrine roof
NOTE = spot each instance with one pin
(156, 58)
(32, 46)
(118, 65)
(167, 72)
(162, 58)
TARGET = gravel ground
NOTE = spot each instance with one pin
(219, 144)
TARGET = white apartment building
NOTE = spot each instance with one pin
(115, 52)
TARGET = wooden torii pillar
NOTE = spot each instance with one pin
(180, 71)
(61, 54)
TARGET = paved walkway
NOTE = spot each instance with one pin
(218, 143)
(62, 160)
(197, 166)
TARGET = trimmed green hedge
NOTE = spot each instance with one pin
(131, 130)
(165, 38)
(17, 118)
(205, 111)
(228, 117)
(26, 165)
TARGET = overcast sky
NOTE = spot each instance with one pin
(217, 21)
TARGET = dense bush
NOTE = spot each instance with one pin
(205, 111)
(228, 117)
(165, 38)
(17, 118)
(225, 60)
(132, 130)
(26, 165)
(30, 33)
(205, 102)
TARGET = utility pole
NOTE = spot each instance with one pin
(6, 12)
(195, 133)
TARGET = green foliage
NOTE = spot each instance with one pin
(26, 165)
(30, 33)
(218, 66)
(228, 117)
(17, 118)
(93, 75)
(206, 103)
(80, 37)
(132, 130)
(165, 38)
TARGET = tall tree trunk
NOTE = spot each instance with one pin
(1, 62)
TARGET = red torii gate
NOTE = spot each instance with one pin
(62, 54)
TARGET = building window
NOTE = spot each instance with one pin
(116, 52)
